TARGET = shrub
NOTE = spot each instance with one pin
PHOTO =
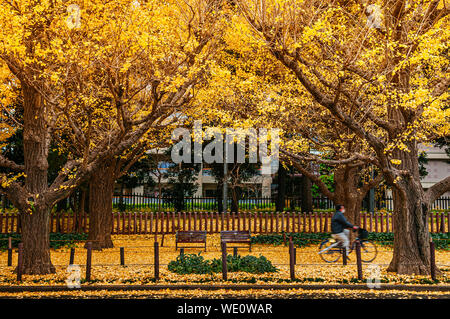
(196, 264)
(250, 264)
(190, 264)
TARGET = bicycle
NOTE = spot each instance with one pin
(331, 250)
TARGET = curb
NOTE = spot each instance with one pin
(443, 288)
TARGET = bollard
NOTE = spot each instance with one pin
(224, 261)
(432, 261)
(122, 256)
(344, 256)
(20, 263)
(9, 257)
(358, 260)
(291, 259)
(72, 256)
(181, 252)
(235, 251)
(156, 261)
(88, 260)
(9, 251)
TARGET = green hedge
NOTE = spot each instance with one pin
(196, 264)
(441, 240)
(57, 240)
(299, 239)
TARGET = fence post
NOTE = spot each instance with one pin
(122, 256)
(156, 261)
(432, 261)
(431, 222)
(20, 262)
(291, 258)
(224, 261)
(88, 260)
(376, 222)
(9, 251)
(315, 222)
(448, 222)
(358, 260)
(72, 256)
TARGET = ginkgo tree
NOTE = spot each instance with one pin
(385, 79)
(253, 89)
(94, 78)
(102, 182)
(8, 98)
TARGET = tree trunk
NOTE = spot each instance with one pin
(101, 188)
(159, 193)
(411, 235)
(307, 205)
(3, 203)
(346, 193)
(35, 216)
(281, 180)
(235, 195)
(80, 209)
(36, 242)
(219, 196)
(121, 203)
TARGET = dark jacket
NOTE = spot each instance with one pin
(339, 223)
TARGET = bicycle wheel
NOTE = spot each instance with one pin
(332, 254)
(368, 251)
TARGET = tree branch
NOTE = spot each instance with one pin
(312, 158)
(4, 162)
(437, 190)
(315, 179)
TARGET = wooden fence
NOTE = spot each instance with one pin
(213, 222)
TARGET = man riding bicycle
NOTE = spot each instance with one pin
(339, 225)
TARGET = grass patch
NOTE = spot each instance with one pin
(57, 240)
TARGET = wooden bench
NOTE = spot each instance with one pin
(236, 237)
(191, 236)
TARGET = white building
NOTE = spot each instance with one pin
(438, 166)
